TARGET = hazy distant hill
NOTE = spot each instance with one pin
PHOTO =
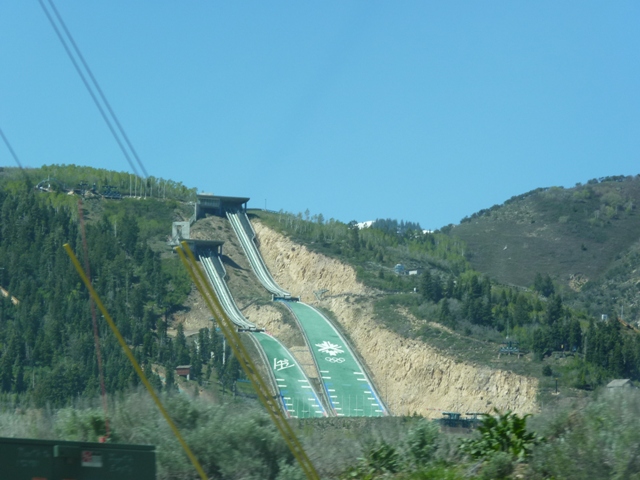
(573, 234)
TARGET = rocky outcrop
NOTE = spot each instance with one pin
(301, 271)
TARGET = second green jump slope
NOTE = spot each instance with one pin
(349, 389)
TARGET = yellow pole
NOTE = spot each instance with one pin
(134, 362)
(241, 354)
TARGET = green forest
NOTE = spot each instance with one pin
(47, 350)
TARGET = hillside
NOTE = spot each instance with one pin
(586, 238)
(449, 313)
(466, 313)
(573, 234)
(411, 375)
(429, 339)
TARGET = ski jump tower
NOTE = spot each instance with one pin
(235, 209)
(208, 203)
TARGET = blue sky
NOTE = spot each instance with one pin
(422, 111)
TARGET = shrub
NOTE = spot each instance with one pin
(505, 433)
(599, 440)
(422, 442)
(83, 425)
(381, 459)
(497, 467)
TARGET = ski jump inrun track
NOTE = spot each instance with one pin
(346, 389)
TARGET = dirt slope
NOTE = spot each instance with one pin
(410, 375)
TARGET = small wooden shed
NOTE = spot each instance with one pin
(184, 371)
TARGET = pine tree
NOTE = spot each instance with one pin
(431, 287)
(444, 315)
(554, 310)
(181, 350)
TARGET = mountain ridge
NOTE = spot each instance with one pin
(576, 235)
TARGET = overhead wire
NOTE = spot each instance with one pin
(13, 153)
(16, 159)
(88, 86)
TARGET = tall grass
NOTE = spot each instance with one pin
(598, 439)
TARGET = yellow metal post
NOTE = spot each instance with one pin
(229, 330)
(134, 362)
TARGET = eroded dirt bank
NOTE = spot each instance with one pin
(410, 375)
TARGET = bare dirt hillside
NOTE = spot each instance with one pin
(193, 317)
(411, 376)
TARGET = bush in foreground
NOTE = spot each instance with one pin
(232, 441)
(598, 440)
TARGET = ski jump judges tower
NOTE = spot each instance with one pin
(206, 203)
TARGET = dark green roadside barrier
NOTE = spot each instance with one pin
(25, 459)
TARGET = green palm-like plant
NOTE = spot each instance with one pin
(502, 433)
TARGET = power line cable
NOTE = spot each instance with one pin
(108, 121)
(97, 85)
(86, 84)
(13, 154)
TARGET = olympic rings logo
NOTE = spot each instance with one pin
(334, 360)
